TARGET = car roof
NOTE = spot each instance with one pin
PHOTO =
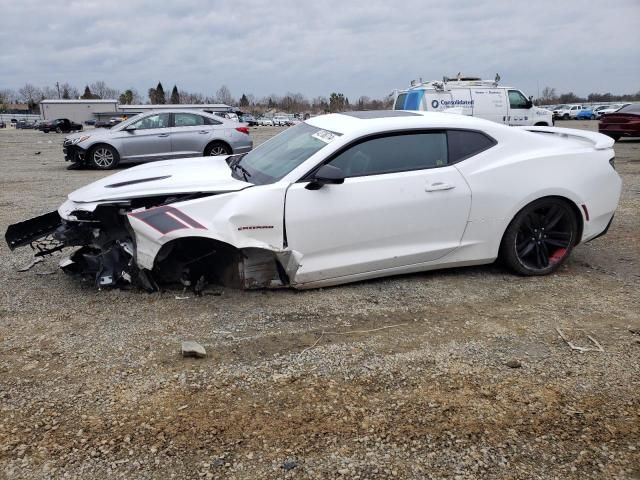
(385, 120)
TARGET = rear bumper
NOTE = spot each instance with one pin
(604, 232)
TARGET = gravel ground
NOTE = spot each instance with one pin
(471, 380)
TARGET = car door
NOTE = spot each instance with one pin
(401, 203)
(519, 108)
(146, 139)
(190, 134)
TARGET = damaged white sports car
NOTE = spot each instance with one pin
(341, 198)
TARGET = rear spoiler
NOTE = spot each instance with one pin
(600, 141)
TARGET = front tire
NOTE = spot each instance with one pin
(58, 130)
(104, 157)
(217, 148)
(540, 237)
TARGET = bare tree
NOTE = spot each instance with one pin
(49, 93)
(8, 95)
(30, 95)
(192, 98)
(223, 95)
(548, 95)
(102, 90)
(72, 92)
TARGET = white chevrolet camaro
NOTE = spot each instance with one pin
(340, 198)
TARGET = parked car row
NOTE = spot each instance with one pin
(582, 112)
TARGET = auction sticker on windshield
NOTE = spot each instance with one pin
(324, 135)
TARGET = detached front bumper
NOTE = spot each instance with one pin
(73, 153)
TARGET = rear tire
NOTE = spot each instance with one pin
(58, 130)
(565, 116)
(104, 157)
(593, 117)
(217, 148)
(540, 237)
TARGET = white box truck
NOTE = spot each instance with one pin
(474, 97)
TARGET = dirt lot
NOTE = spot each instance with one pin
(92, 384)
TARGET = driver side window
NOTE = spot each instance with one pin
(394, 153)
(160, 120)
(517, 99)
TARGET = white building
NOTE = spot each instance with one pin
(78, 111)
(82, 110)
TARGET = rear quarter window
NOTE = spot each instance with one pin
(466, 143)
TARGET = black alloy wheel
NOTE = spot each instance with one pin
(540, 237)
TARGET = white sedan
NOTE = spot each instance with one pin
(341, 198)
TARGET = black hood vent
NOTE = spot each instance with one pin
(133, 182)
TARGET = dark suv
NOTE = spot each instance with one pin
(59, 125)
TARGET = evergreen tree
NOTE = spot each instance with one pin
(156, 95)
(87, 95)
(244, 101)
(175, 96)
(160, 98)
(65, 93)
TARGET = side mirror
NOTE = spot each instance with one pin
(130, 128)
(530, 102)
(326, 175)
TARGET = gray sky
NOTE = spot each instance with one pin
(355, 47)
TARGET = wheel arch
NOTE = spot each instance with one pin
(572, 203)
(99, 143)
(219, 262)
(217, 140)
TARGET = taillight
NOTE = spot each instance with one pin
(243, 130)
(612, 162)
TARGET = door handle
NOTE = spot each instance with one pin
(437, 186)
(163, 135)
(203, 131)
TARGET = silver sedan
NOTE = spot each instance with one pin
(158, 135)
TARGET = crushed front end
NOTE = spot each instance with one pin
(106, 244)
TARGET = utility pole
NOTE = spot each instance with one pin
(58, 87)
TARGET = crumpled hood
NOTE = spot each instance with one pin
(187, 175)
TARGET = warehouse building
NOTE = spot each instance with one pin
(78, 111)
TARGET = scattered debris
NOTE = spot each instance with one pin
(193, 349)
(513, 364)
(35, 261)
(182, 297)
(635, 329)
(597, 348)
(37, 153)
(182, 407)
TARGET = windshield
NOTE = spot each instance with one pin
(275, 158)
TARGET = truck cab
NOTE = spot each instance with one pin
(474, 97)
